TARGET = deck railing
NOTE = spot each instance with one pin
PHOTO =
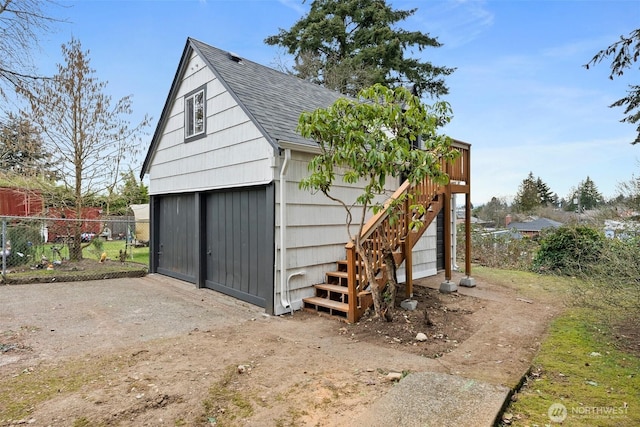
(391, 229)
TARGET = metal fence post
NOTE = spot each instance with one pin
(4, 247)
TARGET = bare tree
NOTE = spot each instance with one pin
(21, 24)
(89, 138)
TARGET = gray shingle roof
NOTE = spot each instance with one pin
(537, 224)
(273, 99)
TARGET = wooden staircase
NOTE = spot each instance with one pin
(332, 297)
(344, 294)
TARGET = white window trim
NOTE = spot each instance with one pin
(190, 123)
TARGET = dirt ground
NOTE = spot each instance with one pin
(156, 351)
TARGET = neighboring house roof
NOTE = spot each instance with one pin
(537, 224)
(509, 234)
(272, 99)
(478, 221)
(473, 220)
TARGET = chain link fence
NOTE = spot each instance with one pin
(46, 249)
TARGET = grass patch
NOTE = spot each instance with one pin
(85, 422)
(226, 405)
(136, 264)
(56, 251)
(21, 393)
(293, 418)
(530, 284)
(111, 247)
(579, 367)
(134, 254)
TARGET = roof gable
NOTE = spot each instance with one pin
(273, 100)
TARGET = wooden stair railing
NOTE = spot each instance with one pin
(344, 293)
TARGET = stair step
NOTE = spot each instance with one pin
(359, 264)
(344, 262)
(341, 274)
(327, 303)
(332, 288)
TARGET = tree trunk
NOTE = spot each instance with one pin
(75, 245)
(380, 303)
(371, 278)
(392, 284)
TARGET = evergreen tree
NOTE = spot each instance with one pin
(532, 194)
(585, 197)
(527, 198)
(624, 53)
(21, 150)
(348, 45)
(545, 196)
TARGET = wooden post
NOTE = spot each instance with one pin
(467, 256)
(408, 250)
(467, 235)
(351, 283)
(468, 280)
(447, 232)
(408, 264)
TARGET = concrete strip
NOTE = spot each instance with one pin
(440, 400)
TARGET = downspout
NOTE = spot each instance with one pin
(284, 291)
(3, 248)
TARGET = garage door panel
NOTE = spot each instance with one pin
(176, 249)
(217, 255)
(239, 240)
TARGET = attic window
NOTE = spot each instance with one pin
(195, 114)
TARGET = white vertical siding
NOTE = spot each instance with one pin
(233, 153)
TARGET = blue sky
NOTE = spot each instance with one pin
(519, 95)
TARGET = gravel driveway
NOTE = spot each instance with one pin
(64, 319)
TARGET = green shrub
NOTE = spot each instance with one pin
(24, 239)
(96, 248)
(569, 250)
(613, 284)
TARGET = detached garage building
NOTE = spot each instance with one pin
(224, 165)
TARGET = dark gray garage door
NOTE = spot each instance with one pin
(239, 244)
(176, 248)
